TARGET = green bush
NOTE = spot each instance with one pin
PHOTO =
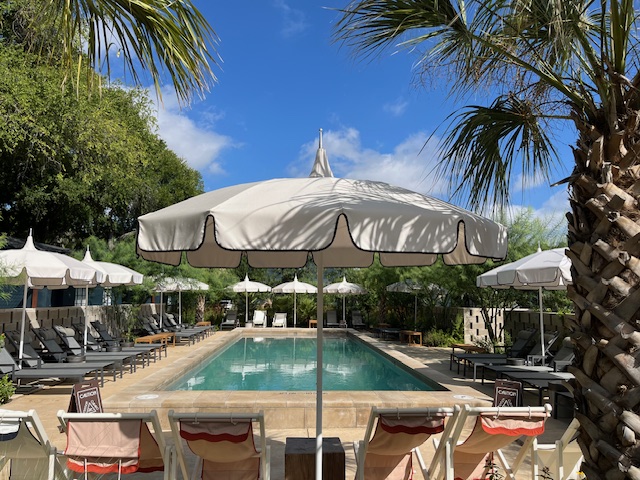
(7, 389)
(438, 338)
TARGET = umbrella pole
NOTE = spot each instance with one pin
(344, 318)
(86, 319)
(161, 321)
(541, 322)
(415, 314)
(24, 319)
(294, 310)
(318, 257)
(246, 307)
(180, 307)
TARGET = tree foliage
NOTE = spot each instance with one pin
(76, 166)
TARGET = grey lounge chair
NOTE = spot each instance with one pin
(45, 371)
(356, 320)
(230, 320)
(332, 319)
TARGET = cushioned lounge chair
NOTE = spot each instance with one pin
(279, 320)
(153, 328)
(25, 447)
(356, 320)
(204, 331)
(118, 443)
(332, 319)
(259, 318)
(494, 428)
(69, 343)
(392, 439)
(47, 371)
(224, 445)
(230, 320)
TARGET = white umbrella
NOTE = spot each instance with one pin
(548, 269)
(35, 268)
(113, 275)
(408, 286)
(179, 284)
(294, 287)
(247, 286)
(341, 222)
(344, 288)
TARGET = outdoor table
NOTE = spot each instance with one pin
(163, 338)
(203, 324)
(300, 459)
(412, 337)
(313, 323)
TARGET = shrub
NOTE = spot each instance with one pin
(438, 338)
(7, 389)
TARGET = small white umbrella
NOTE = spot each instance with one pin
(295, 287)
(35, 268)
(548, 269)
(341, 222)
(247, 286)
(113, 275)
(344, 288)
(179, 284)
(408, 286)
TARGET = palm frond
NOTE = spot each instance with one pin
(161, 37)
(483, 145)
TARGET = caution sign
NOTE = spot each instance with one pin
(85, 398)
(507, 393)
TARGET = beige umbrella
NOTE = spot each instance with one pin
(294, 287)
(343, 289)
(247, 286)
(545, 269)
(35, 268)
(340, 222)
(179, 284)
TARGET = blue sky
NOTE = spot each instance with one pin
(282, 79)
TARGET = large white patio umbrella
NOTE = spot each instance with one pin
(35, 268)
(340, 222)
(548, 269)
(343, 289)
(294, 287)
(408, 286)
(178, 284)
(113, 275)
(247, 286)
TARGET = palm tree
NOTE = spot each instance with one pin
(161, 37)
(549, 62)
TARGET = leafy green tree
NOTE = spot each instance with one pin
(75, 166)
(162, 38)
(544, 63)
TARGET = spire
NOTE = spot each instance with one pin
(321, 166)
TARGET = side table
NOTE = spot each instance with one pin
(300, 459)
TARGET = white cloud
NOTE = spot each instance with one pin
(294, 21)
(199, 147)
(396, 108)
(409, 164)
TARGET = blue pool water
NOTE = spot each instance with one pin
(289, 364)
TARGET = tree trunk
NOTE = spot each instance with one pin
(200, 302)
(604, 247)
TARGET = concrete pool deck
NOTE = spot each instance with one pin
(287, 414)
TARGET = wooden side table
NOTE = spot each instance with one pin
(411, 337)
(300, 459)
(313, 323)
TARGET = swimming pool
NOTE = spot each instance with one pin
(289, 364)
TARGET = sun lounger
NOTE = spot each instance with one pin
(387, 451)
(279, 320)
(223, 443)
(259, 318)
(332, 319)
(118, 443)
(356, 320)
(494, 428)
(25, 447)
(562, 458)
(230, 320)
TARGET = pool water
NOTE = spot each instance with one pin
(289, 364)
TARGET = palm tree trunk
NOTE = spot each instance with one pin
(604, 247)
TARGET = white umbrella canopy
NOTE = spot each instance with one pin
(545, 269)
(248, 286)
(340, 222)
(178, 284)
(344, 288)
(408, 286)
(295, 287)
(113, 275)
(35, 268)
